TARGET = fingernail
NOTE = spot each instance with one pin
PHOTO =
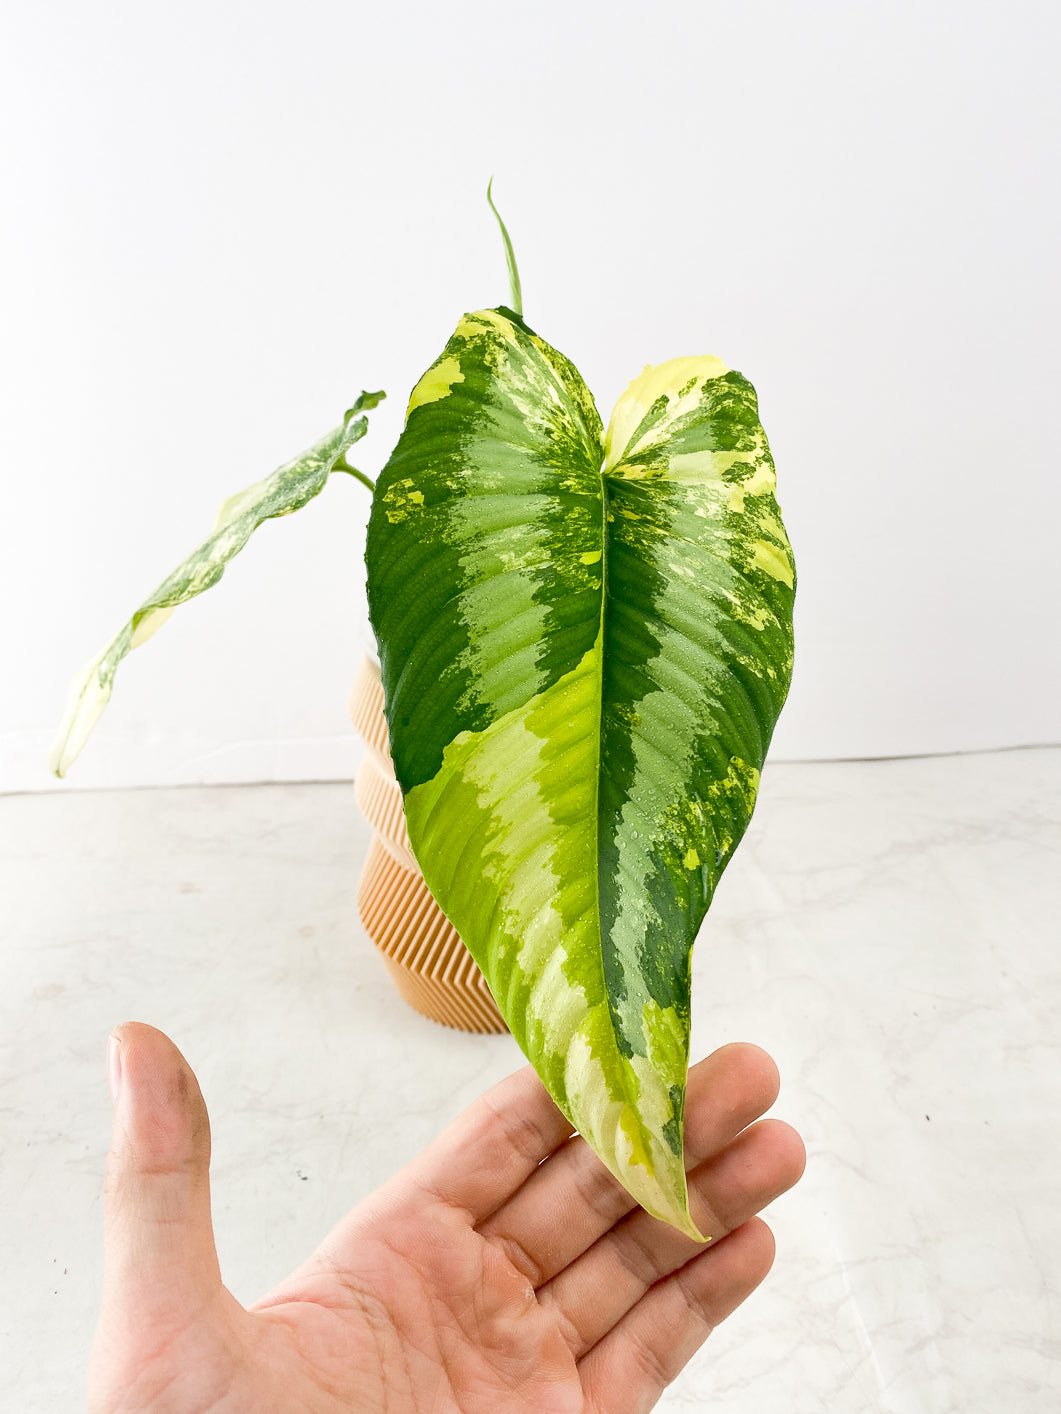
(114, 1067)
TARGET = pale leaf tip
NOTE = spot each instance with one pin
(88, 698)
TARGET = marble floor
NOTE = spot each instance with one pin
(889, 931)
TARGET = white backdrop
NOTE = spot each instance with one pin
(225, 219)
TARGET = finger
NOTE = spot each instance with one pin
(572, 1200)
(160, 1261)
(627, 1371)
(490, 1151)
(595, 1292)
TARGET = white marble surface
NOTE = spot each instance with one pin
(889, 932)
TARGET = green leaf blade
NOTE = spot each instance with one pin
(689, 698)
(578, 714)
(468, 517)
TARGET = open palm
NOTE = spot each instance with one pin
(503, 1270)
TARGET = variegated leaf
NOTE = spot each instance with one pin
(286, 490)
(584, 649)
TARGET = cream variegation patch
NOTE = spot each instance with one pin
(623, 1108)
(680, 381)
(150, 624)
(89, 695)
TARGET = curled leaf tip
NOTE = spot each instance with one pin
(365, 403)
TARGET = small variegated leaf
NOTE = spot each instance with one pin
(584, 649)
(286, 490)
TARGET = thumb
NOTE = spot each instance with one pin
(160, 1264)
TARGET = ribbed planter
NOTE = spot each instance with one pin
(428, 963)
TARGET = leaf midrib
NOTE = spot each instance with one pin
(600, 735)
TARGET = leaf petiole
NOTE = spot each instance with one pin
(357, 475)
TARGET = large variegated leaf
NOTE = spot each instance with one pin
(286, 490)
(584, 650)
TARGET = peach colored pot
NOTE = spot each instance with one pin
(428, 963)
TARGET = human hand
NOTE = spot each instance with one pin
(480, 1278)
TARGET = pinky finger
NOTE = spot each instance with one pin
(628, 1370)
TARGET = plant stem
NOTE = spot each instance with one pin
(357, 475)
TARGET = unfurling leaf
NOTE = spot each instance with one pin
(585, 644)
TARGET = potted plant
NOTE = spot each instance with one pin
(585, 638)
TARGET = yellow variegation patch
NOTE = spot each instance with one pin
(435, 384)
